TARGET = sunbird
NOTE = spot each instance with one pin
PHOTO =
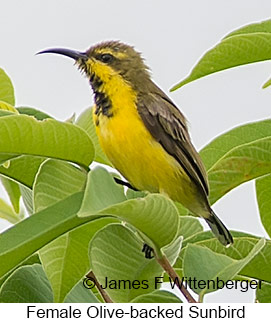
(142, 132)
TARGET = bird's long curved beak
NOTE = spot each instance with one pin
(66, 52)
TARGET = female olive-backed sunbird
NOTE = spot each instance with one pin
(141, 130)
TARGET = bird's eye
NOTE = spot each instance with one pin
(106, 58)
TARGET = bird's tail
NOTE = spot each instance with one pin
(219, 229)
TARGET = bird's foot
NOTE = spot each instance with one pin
(149, 253)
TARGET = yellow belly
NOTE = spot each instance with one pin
(142, 160)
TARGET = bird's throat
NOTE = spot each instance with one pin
(101, 98)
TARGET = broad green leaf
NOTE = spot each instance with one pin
(13, 191)
(80, 294)
(24, 135)
(203, 264)
(101, 192)
(7, 107)
(28, 284)
(37, 114)
(29, 235)
(56, 180)
(189, 226)
(23, 169)
(131, 194)
(85, 121)
(116, 257)
(264, 26)
(181, 209)
(257, 268)
(7, 213)
(33, 259)
(234, 138)
(65, 260)
(62, 262)
(158, 296)
(6, 88)
(258, 27)
(263, 294)
(263, 191)
(27, 196)
(155, 216)
(247, 45)
(4, 113)
(239, 155)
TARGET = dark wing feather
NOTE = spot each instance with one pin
(168, 126)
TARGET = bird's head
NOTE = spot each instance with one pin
(107, 60)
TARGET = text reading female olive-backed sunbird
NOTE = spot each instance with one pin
(141, 130)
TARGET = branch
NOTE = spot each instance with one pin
(164, 263)
(103, 293)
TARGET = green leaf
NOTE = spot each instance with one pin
(62, 262)
(65, 260)
(158, 296)
(257, 268)
(24, 135)
(263, 294)
(247, 45)
(173, 250)
(37, 114)
(7, 213)
(239, 155)
(263, 26)
(203, 264)
(33, 259)
(101, 192)
(6, 88)
(13, 191)
(28, 284)
(4, 106)
(80, 294)
(23, 169)
(234, 138)
(266, 84)
(181, 209)
(27, 196)
(189, 226)
(85, 121)
(4, 113)
(56, 180)
(263, 191)
(155, 216)
(115, 254)
(132, 194)
(29, 235)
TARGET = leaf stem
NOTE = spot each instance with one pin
(101, 290)
(200, 300)
(164, 263)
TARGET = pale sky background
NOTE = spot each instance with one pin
(172, 35)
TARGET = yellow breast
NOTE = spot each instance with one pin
(128, 144)
(134, 152)
(126, 141)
